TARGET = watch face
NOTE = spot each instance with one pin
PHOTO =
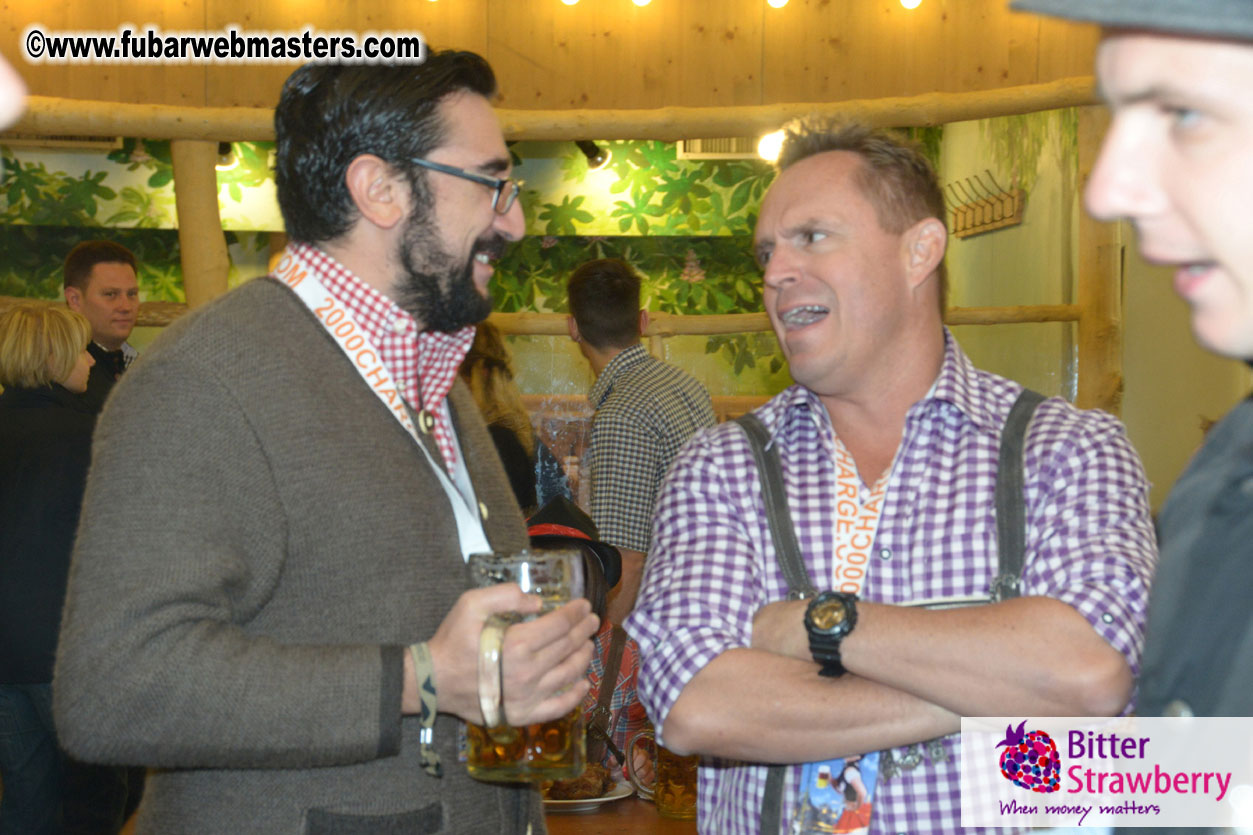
(828, 614)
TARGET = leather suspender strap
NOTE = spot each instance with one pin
(800, 586)
(1010, 537)
(602, 725)
(779, 517)
(1011, 523)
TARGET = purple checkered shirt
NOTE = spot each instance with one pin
(1090, 543)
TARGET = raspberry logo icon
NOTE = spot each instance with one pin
(1030, 759)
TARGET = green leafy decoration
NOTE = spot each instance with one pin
(25, 185)
(635, 181)
(1016, 142)
(144, 209)
(251, 168)
(636, 212)
(930, 140)
(678, 193)
(82, 194)
(574, 166)
(40, 197)
(559, 219)
(660, 157)
(685, 225)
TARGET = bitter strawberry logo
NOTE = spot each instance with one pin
(1030, 760)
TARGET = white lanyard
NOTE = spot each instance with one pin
(856, 523)
(351, 339)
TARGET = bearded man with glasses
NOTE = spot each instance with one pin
(285, 633)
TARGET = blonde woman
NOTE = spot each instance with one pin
(45, 447)
(534, 472)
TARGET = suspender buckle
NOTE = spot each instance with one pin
(1004, 586)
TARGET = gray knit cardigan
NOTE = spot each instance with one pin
(259, 539)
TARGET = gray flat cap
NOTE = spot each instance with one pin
(1224, 19)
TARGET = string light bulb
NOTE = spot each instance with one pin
(641, 2)
(769, 146)
(911, 4)
(776, 4)
(569, 2)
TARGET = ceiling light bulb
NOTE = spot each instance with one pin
(768, 146)
(569, 2)
(910, 4)
(776, 4)
(641, 2)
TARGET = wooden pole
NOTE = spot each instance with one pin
(671, 123)
(669, 324)
(49, 116)
(1100, 286)
(70, 117)
(202, 244)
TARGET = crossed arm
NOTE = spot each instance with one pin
(912, 673)
(728, 673)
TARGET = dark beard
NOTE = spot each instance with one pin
(442, 297)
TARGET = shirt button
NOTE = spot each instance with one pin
(1107, 618)
(483, 511)
(400, 325)
(425, 422)
(885, 553)
(1178, 708)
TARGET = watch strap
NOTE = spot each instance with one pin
(825, 649)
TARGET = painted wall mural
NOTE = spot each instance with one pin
(684, 224)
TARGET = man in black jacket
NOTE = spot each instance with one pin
(100, 283)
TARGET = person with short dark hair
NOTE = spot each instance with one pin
(645, 410)
(888, 446)
(268, 602)
(101, 284)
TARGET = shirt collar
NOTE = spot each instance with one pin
(956, 387)
(960, 387)
(128, 351)
(425, 362)
(626, 358)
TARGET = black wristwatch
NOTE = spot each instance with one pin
(829, 618)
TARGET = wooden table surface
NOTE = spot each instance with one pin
(628, 816)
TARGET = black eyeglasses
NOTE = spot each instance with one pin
(504, 192)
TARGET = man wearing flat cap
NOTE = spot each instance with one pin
(1178, 164)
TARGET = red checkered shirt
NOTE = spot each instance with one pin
(625, 707)
(424, 365)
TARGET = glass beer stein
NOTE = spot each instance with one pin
(499, 752)
(673, 789)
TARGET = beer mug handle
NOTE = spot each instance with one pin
(491, 674)
(645, 792)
